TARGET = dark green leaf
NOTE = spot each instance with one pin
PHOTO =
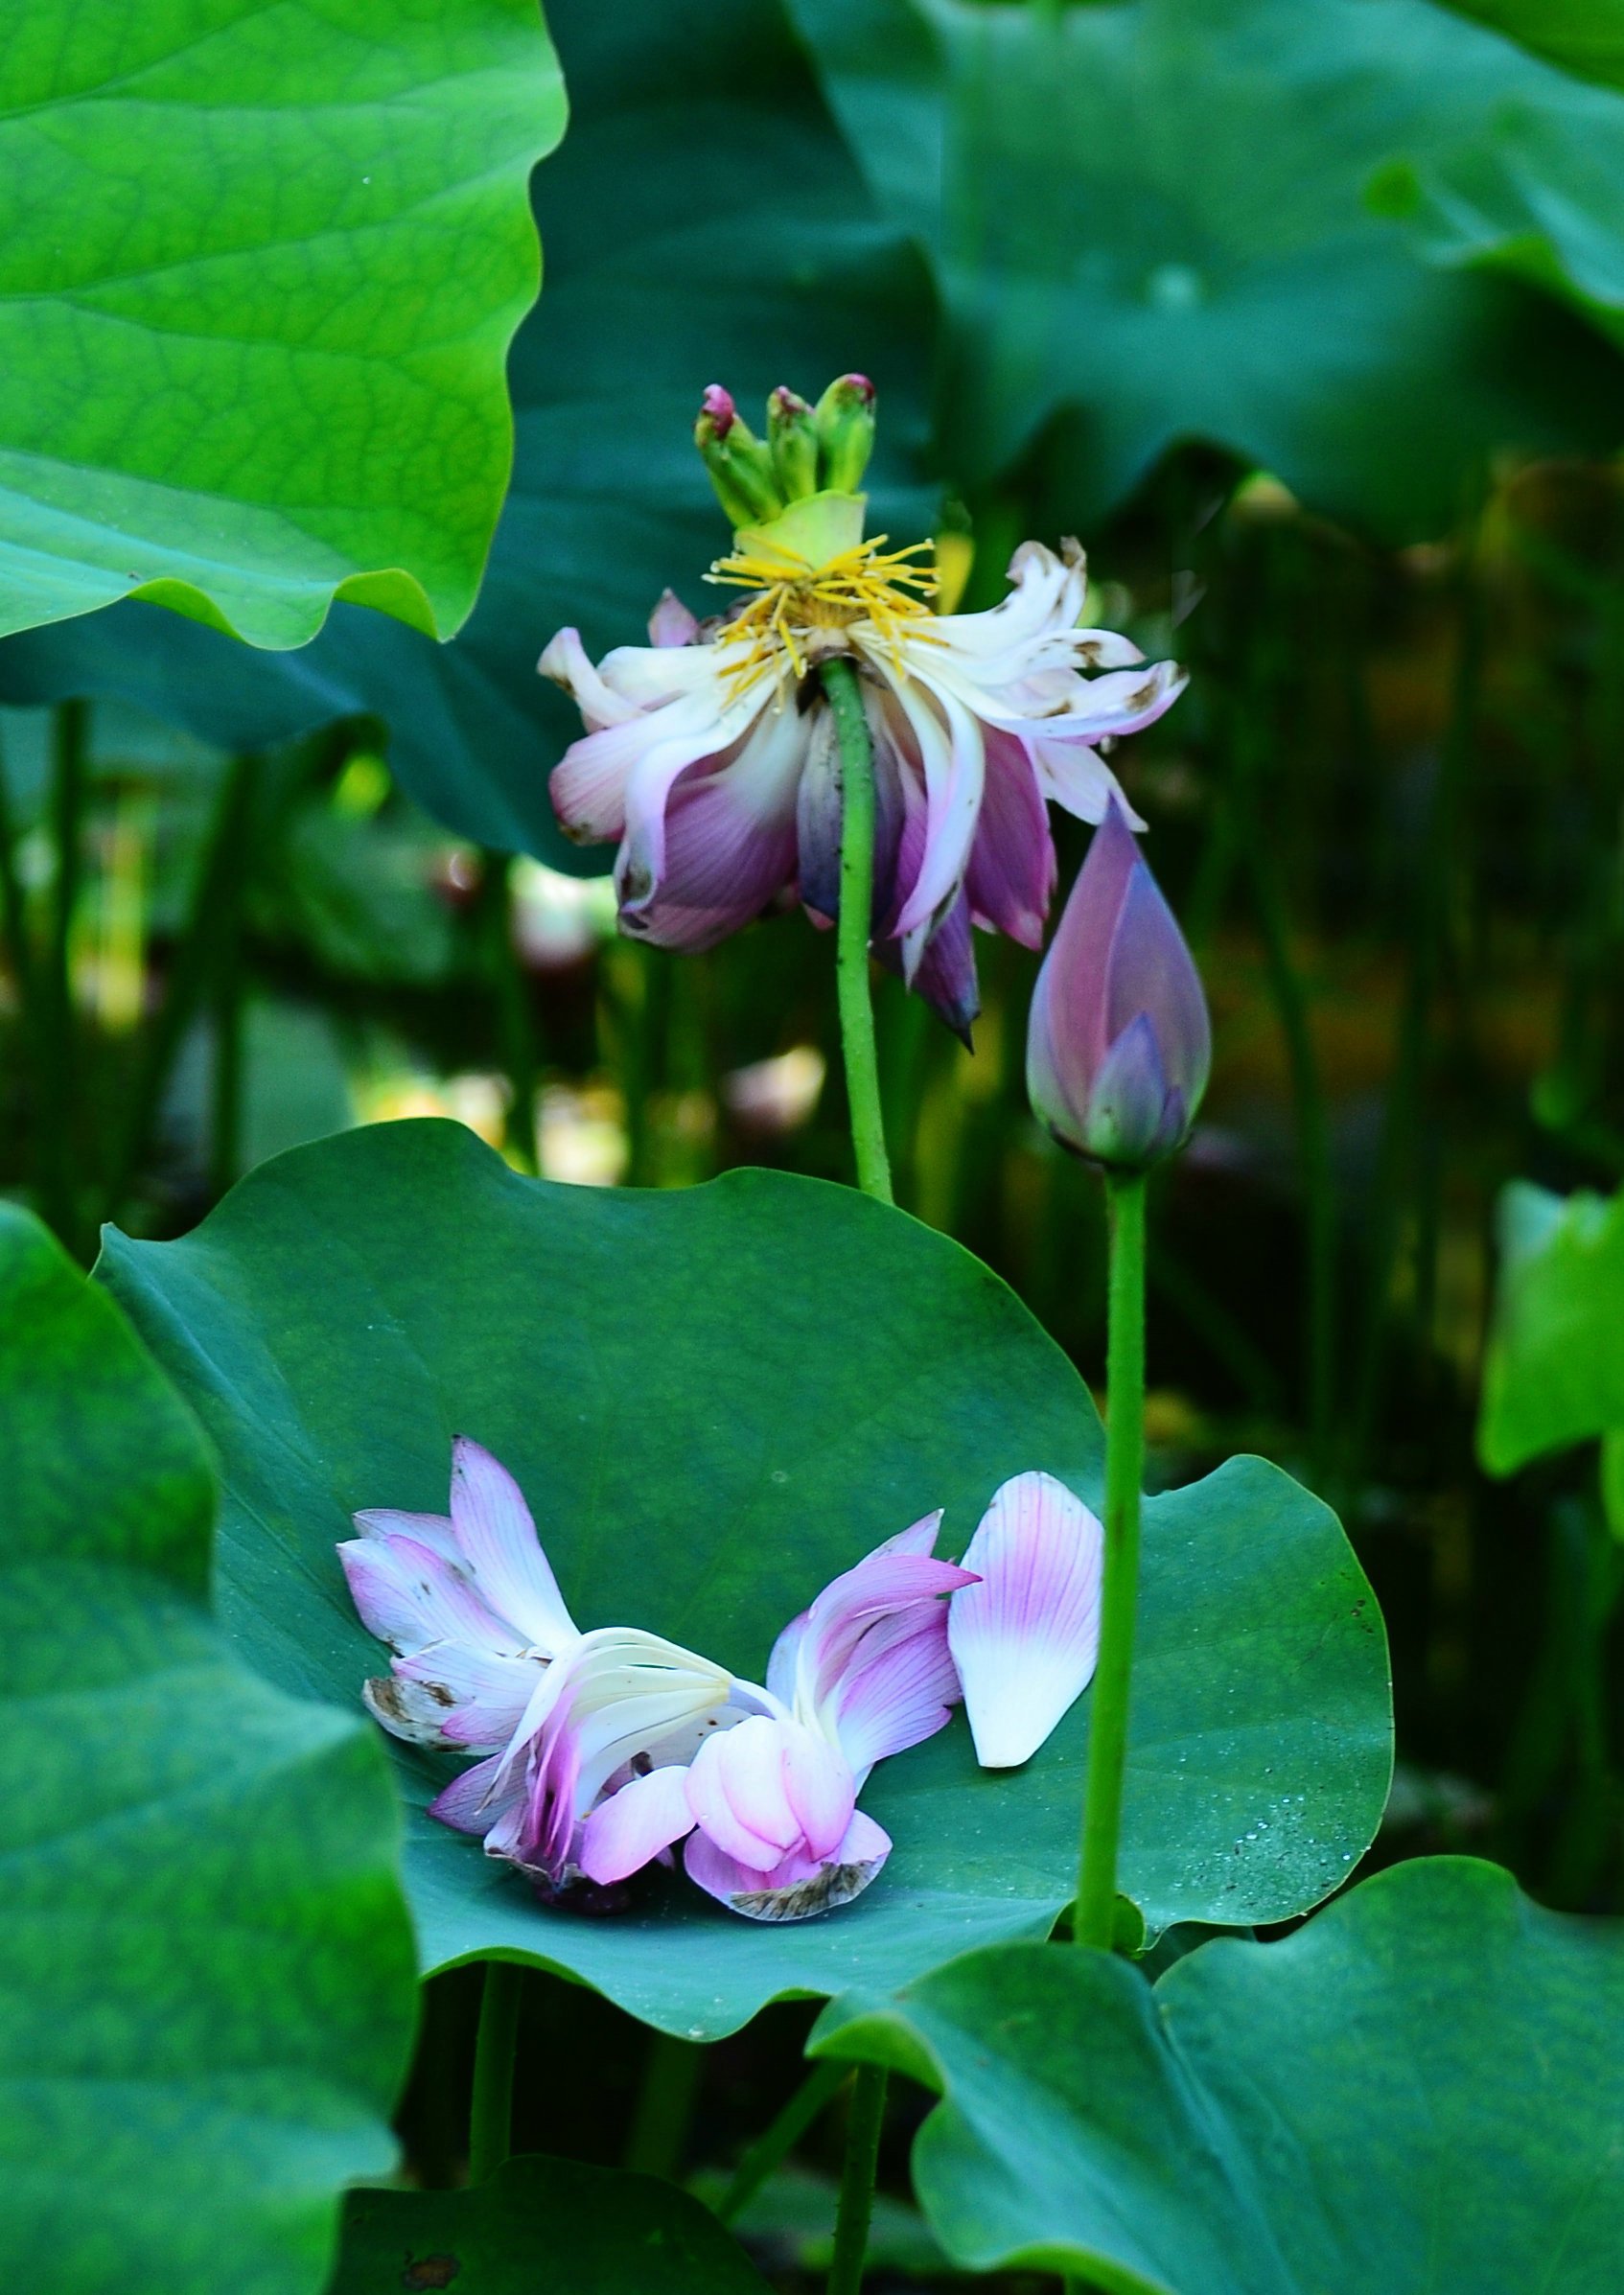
(717, 1400)
(1148, 222)
(541, 2224)
(259, 268)
(703, 223)
(1420, 2090)
(1554, 1373)
(205, 1966)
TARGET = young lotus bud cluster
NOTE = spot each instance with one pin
(808, 449)
(1118, 1043)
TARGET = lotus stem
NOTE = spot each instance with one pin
(770, 2151)
(1125, 1452)
(490, 2127)
(857, 2181)
(856, 909)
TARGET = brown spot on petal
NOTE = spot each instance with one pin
(824, 1892)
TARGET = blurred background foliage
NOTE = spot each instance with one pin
(1309, 321)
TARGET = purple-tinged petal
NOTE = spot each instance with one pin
(817, 819)
(945, 974)
(467, 1804)
(728, 842)
(629, 1830)
(501, 1550)
(1077, 778)
(952, 752)
(898, 1694)
(1127, 1120)
(852, 1604)
(671, 623)
(919, 1538)
(1010, 879)
(1150, 971)
(798, 1888)
(1025, 1637)
(409, 1595)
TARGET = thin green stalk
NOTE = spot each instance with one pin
(490, 2123)
(13, 908)
(772, 2149)
(510, 987)
(58, 1029)
(856, 909)
(211, 926)
(857, 2180)
(659, 2124)
(1125, 1452)
(225, 1145)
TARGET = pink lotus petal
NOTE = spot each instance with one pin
(501, 1550)
(481, 1698)
(847, 1606)
(1025, 1639)
(1076, 777)
(800, 1887)
(671, 623)
(410, 1596)
(466, 1804)
(819, 1787)
(737, 1792)
(781, 1665)
(1010, 879)
(728, 840)
(629, 1830)
(897, 1696)
(430, 1530)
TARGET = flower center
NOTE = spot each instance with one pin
(800, 610)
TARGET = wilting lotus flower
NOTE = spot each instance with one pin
(1026, 1634)
(771, 1802)
(488, 1659)
(710, 754)
(1118, 1044)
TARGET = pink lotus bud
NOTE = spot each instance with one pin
(1118, 1043)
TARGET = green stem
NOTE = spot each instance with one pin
(771, 2149)
(490, 2125)
(212, 923)
(856, 910)
(1125, 1450)
(660, 2125)
(58, 1036)
(13, 909)
(510, 988)
(857, 2180)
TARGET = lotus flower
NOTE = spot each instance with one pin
(1118, 1043)
(1024, 1634)
(710, 754)
(488, 1659)
(769, 1804)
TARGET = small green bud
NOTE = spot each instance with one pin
(792, 431)
(739, 465)
(846, 433)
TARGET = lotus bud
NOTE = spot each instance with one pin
(792, 432)
(739, 465)
(846, 433)
(1118, 1043)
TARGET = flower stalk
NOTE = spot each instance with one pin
(1125, 1450)
(857, 2181)
(490, 2126)
(856, 910)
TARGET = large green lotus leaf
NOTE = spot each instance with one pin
(716, 1400)
(1554, 1374)
(259, 269)
(703, 223)
(205, 1964)
(1420, 2093)
(542, 2224)
(1149, 224)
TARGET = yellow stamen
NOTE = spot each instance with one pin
(796, 602)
